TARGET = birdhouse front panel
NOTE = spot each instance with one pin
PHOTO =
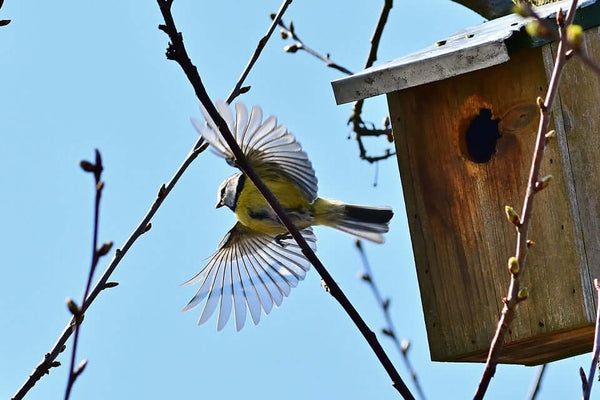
(464, 158)
(464, 119)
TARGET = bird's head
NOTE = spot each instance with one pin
(229, 191)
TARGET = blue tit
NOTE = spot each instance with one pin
(257, 262)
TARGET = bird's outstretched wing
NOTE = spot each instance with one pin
(265, 144)
(250, 271)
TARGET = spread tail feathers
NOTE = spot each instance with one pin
(364, 222)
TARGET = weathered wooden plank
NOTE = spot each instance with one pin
(461, 239)
(579, 114)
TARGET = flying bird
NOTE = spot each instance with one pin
(257, 262)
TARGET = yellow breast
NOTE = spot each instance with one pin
(253, 211)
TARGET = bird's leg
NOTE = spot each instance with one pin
(279, 239)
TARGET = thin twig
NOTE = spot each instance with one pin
(587, 384)
(537, 382)
(358, 126)
(550, 31)
(97, 253)
(237, 90)
(390, 329)
(49, 360)
(44, 366)
(3, 22)
(176, 52)
(372, 57)
(289, 31)
(534, 185)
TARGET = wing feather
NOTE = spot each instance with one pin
(226, 295)
(250, 271)
(216, 287)
(264, 143)
(258, 283)
(240, 294)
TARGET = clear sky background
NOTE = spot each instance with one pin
(82, 75)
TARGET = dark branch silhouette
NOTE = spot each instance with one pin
(176, 51)
(96, 169)
(3, 22)
(516, 264)
(589, 381)
(390, 330)
(359, 127)
(537, 382)
(49, 360)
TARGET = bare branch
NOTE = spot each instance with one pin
(97, 252)
(358, 126)
(587, 383)
(144, 226)
(289, 31)
(537, 382)
(237, 90)
(550, 31)
(517, 294)
(372, 57)
(390, 329)
(3, 22)
(177, 52)
(102, 283)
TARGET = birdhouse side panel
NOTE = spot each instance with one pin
(577, 116)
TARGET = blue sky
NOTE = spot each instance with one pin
(78, 76)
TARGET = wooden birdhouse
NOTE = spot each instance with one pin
(464, 118)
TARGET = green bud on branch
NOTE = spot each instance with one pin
(386, 304)
(549, 136)
(536, 28)
(575, 36)
(87, 166)
(513, 265)
(72, 306)
(540, 103)
(104, 249)
(162, 191)
(512, 215)
(519, 9)
(405, 345)
(523, 294)
(543, 183)
(291, 48)
(80, 367)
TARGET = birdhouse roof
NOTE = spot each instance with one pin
(467, 50)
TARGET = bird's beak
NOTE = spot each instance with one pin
(219, 203)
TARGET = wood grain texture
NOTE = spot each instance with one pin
(579, 114)
(461, 238)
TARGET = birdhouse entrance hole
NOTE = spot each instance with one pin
(481, 136)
